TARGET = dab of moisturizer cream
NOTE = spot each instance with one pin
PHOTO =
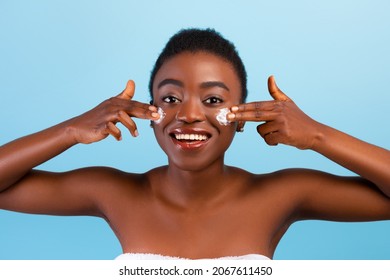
(222, 116)
(162, 115)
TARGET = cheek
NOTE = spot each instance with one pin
(216, 116)
(166, 116)
(162, 114)
(221, 116)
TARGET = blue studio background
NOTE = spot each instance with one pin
(58, 59)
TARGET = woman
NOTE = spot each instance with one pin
(196, 206)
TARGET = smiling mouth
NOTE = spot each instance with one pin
(184, 137)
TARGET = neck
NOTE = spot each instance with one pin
(190, 189)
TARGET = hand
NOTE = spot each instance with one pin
(283, 121)
(100, 122)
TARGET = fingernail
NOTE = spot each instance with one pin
(136, 133)
(155, 115)
(234, 109)
(231, 116)
(153, 108)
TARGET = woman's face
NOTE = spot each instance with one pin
(191, 88)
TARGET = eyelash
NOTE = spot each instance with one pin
(170, 99)
(216, 100)
(211, 100)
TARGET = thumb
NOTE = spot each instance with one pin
(128, 92)
(275, 92)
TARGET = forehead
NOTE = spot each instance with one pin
(195, 68)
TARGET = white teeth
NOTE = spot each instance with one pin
(198, 137)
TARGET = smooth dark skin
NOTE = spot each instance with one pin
(197, 207)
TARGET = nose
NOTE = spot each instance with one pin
(191, 111)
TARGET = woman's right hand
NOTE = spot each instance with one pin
(101, 121)
(18, 157)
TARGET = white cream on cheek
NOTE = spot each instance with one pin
(222, 116)
(162, 115)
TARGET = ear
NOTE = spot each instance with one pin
(240, 126)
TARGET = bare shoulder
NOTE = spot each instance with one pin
(100, 175)
(107, 182)
(304, 180)
(286, 187)
(319, 195)
(297, 178)
(84, 191)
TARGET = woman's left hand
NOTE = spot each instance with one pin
(283, 121)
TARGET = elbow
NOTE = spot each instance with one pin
(384, 187)
(5, 185)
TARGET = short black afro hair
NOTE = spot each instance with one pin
(195, 40)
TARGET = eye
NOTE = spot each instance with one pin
(213, 100)
(171, 99)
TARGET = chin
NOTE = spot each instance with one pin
(194, 164)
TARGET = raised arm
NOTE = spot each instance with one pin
(285, 123)
(19, 157)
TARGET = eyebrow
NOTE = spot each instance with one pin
(211, 84)
(203, 85)
(170, 82)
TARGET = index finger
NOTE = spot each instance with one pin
(254, 116)
(254, 106)
(141, 110)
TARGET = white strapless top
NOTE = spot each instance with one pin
(142, 256)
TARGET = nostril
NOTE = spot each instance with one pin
(190, 114)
